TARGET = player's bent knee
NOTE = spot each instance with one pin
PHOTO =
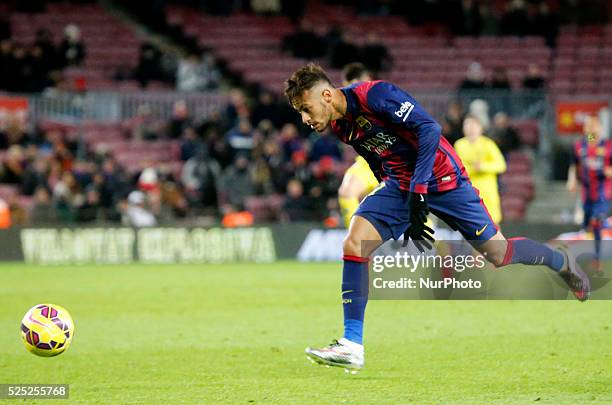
(351, 246)
(496, 258)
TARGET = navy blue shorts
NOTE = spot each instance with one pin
(595, 210)
(461, 208)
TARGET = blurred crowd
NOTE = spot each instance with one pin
(253, 149)
(476, 79)
(36, 66)
(460, 17)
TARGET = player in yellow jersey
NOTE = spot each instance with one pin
(484, 162)
(358, 180)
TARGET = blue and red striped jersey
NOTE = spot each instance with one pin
(398, 138)
(591, 159)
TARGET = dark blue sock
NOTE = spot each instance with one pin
(527, 251)
(354, 296)
(597, 237)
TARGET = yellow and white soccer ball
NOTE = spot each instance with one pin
(47, 330)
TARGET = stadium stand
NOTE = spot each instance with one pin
(110, 44)
(428, 60)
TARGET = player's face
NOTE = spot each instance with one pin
(592, 126)
(472, 128)
(315, 108)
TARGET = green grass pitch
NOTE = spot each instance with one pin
(236, 333)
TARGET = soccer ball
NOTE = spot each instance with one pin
(47, 330)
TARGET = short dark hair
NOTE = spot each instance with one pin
(354, 71)
(304, 79)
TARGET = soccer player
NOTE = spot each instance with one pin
(420, 172)
(592, 167)
(483, 162)
(358, 180)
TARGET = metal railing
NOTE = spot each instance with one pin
(117, 106)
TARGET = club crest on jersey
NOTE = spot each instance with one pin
(363, 122)
(379, 143)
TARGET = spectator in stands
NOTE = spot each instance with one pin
(219, 148)
(190, 75)
(35, 177)
(66, 196)
(474, 78)
(504, 135)
(240, 138)
(39, 76)
(298, 168)
(180, 119)
(500, 80)
(489, 21)
(547, 24)
(20, 69)
(82, 172)
(149, 65)
(236, 183)
(453, 122)
(145, 126)
(262, 176)
(272, 155)
(172, 196)
(480, 109)
(297, 206)
(88, 211)
(374, 55)
(534, 79)
(303, 42)
(196, 73)
(191, 143)
(266, 109)
(468, 20)
(266, 7)
(148, 183)
(290, 142)
(72, 48)
(42, 211)
(19, 215)
(135, 212)
(6, 64)
(112, 184)
(237, 107)
(325, 145)
(324, 185)
(515, 20)
(12, 168)
(355, 72)
(44, 39)
(343, 52)
(199, 176)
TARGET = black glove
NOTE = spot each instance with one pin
(418, 208)
(421, 234)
